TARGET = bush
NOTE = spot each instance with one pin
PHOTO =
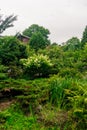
(3, 72)
(70, 72)
(37, 65)
(12, 50)
(3, 76)
(3, 68)
(15, 72)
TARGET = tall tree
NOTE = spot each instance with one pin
(37, 41)
(39, 30)
(36, 28)
(73, 44)
(84, 37)
(6, 22)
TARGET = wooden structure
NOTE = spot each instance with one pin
(23, 38)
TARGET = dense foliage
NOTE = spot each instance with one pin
(11, 50)
(34, 28)
(84, 37)
(73, 44)
(43, 88)
(38, 36)
(37, 65)
(37, 41)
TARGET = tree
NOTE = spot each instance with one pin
(73, 44)
(34, 30)
(84, 37)
(37, 41)
(6, 22)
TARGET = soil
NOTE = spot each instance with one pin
(5, 104)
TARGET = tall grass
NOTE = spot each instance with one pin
(57, 88)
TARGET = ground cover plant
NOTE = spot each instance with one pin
(56, 103)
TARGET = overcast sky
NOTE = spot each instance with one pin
(64, 18)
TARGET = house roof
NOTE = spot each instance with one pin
(22, 36)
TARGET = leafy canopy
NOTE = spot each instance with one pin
(37, 41)
(84, 37)
(38, 36)
(34, 28)
(73, 44)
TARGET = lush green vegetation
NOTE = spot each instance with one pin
(43, 88)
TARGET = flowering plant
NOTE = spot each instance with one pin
(37, 65)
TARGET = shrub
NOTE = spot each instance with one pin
(12, 50)
(70, 73)
(15, 72)
(3, 68)
(3, 76)
(3, 72)
(37, 65)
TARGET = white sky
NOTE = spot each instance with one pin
(64, 18)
